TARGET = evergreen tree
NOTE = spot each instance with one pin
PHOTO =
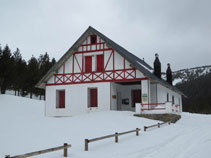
(44, 65)
(6, 69)
(32, 75)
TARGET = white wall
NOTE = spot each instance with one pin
(153, 93)
(145, 91)
(162, 96)
(76, 99)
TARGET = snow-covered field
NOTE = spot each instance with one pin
(24, 128)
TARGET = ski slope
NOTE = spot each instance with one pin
(24, 128)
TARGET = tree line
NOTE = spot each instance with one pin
(20, 75)
(198, 91)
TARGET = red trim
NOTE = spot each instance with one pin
(64, 69)
(154, 109)
(95, 81)
(92, 44)
(78, 63)
(92, 51)
(154, 104)
(108, 61)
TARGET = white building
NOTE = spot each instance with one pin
(96, 74)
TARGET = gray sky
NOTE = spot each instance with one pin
(178, 30)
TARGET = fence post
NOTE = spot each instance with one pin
(7, 156)
(158, 125)
(137, 131)
(86, 144)
(65, 150)
(145, 128)
(116, 137)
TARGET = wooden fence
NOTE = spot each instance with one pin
(65, 147)
(87, 141)
(156, 125)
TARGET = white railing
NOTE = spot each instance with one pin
(157, 108)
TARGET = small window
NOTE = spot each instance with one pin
(172, 99)
(60, 99)
(100, 63)
(167, 97)
(93, 39)
(92, 97)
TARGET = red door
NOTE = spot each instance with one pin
(61, 99)
(88, 63)
(93, 97)
(100, 63)
(136, 97)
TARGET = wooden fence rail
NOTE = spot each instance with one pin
(87, 141)
(156, 125)
(65, 147)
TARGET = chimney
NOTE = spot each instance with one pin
(157, 66)
(169, 74)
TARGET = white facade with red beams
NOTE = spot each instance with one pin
(96, 75)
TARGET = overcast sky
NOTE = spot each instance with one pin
(178, 30)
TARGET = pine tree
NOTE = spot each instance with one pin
(6, 69)
(32, 75)
(44, 65)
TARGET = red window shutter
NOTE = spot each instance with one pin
(61, 99)
(93, 97)
(100, 63)
(88, 63)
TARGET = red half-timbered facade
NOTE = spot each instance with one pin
(96, 74)
(94, 62)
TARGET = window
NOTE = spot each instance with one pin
(92, 97)
(88, 64)
(93, 39)
(60, 97)
(172, 99)
(100, 63)
(167, 97)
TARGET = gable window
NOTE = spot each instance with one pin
(100, 63)
(92, 97)
(93, 39)
(172, 99)
(60, 99)
(88, 64)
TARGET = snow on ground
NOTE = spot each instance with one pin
(24, 128)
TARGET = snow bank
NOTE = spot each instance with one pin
(24, 128)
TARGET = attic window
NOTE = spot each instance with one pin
(93, 39)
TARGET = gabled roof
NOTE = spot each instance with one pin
(134, 60)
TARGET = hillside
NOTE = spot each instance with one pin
(190, 73)
(24, 128)
(198, 91)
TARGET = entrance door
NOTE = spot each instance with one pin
(136, 97)
(119, 99)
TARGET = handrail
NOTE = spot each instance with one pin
(65, 146)
(87, 141)
(159, 124)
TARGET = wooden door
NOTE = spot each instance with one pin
(136, 97)
(93, 97)
(88, 64)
